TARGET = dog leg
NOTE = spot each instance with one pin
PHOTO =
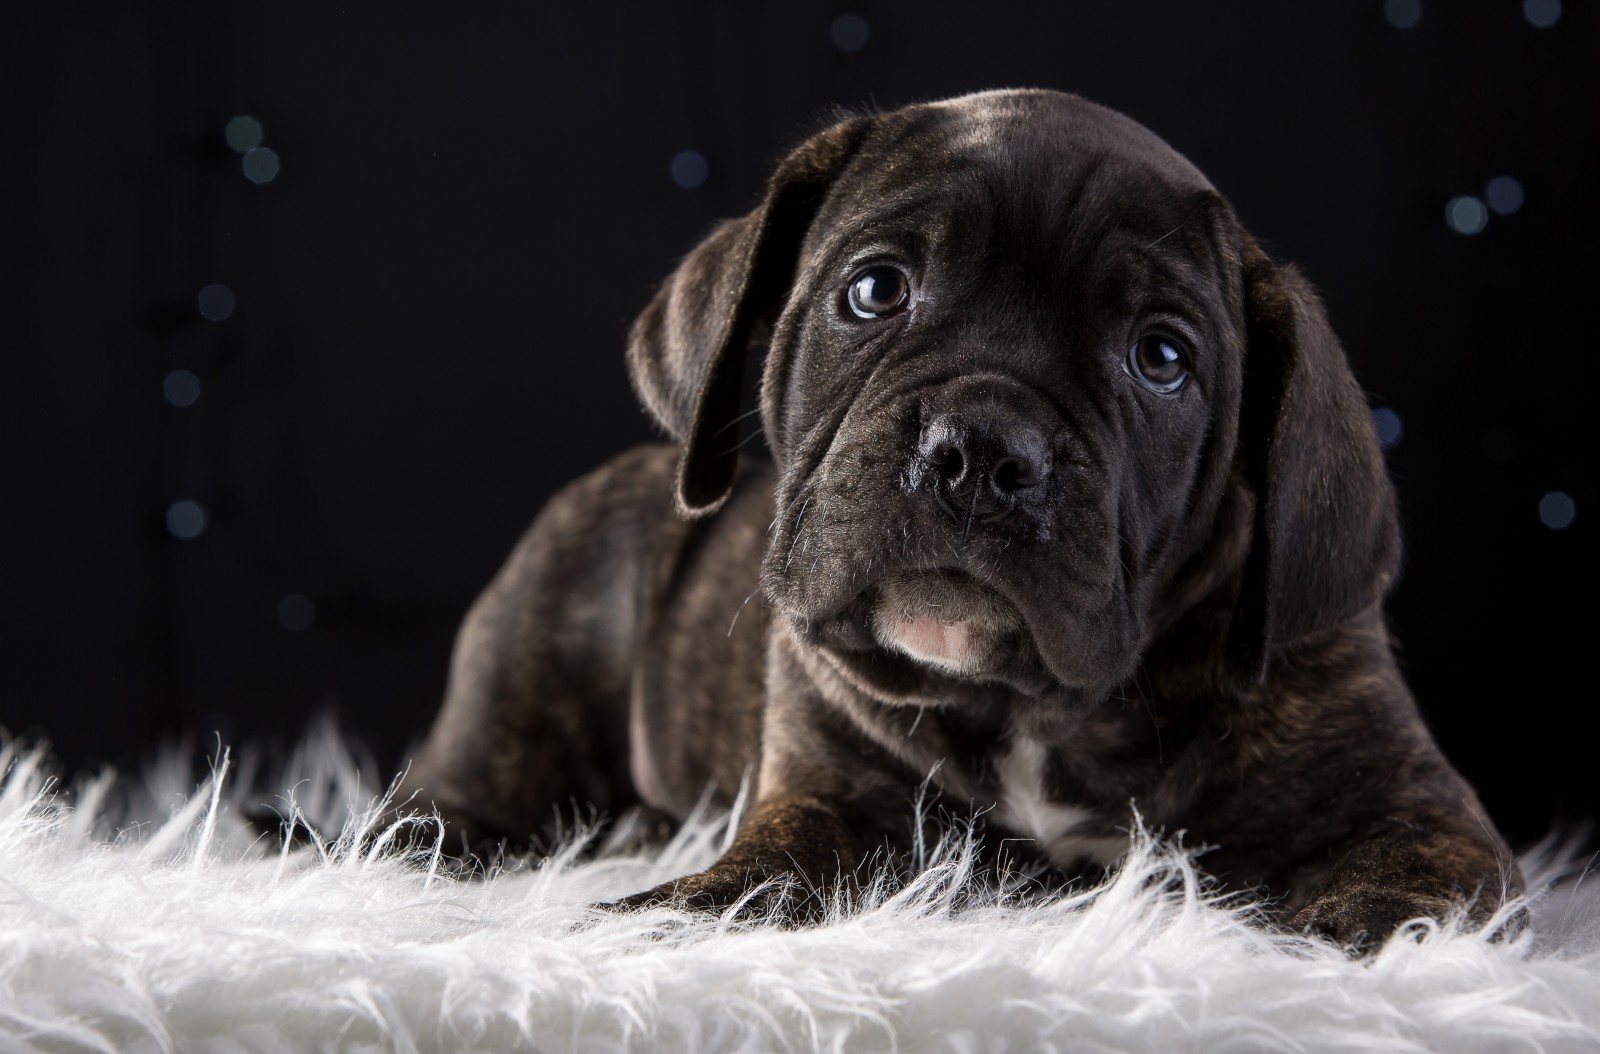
(830, 801)
(790, 857)
(1427, 866)
(535, 715)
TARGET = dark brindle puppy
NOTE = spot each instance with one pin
(1076, 504)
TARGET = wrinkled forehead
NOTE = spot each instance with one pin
(1063, 129)
(1046, 158)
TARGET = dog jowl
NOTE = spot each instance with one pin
(1074, 502)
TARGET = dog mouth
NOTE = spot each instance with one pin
(944, 620)
(912, 630)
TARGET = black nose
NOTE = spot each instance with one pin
(981, 468)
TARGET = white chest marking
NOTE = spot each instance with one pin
(1025, 807)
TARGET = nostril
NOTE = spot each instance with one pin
(981, 464)
(1013, 474)
(948, 461)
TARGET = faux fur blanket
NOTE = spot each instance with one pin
(142, 916)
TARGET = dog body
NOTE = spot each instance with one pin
(1074, 504)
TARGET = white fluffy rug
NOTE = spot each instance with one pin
(142, 918)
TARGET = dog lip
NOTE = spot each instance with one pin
(943, 620)
(844, 640)
(840, 632)
(861, 634)
(889, 674)
(858, 607)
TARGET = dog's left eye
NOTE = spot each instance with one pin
(1157, 362)
(878, 291)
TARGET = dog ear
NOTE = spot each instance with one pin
(1327, 535)
(686, 351)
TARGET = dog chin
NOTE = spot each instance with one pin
(928, 638)
(955, 648)
(943, 620)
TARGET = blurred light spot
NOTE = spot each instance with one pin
(242, 133)
(260, 165)
(296, 613)
(216, 301)
(1504, 194)
(1500, 445)
(850, 32)
(1402, 14)
(690, 169)
(181, 388)
(1542, 13)
(1390, 427)
(1557, 510)
(186, 520)
(1466, 214)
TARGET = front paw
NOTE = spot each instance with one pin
(1362, 920)
(734, 892)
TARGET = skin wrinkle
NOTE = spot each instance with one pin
(1182, 616)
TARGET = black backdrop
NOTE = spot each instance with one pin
(429, 301)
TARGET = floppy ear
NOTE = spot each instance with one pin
(1327, 535)
(686, 351)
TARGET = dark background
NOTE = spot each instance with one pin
(474, 200)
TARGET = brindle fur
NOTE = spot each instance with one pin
(1199, 578)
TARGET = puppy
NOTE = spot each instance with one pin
(1074, 504)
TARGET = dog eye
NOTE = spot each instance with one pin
(1156, 361)
(878, 291)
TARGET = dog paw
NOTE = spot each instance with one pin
(732, 893)
(1364, 921)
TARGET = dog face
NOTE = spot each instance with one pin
(1021, 353)
(999, 372)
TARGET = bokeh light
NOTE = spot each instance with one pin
(1466, 214)
(260, 165)
(180, 388)
(186, 520)
(690, 169)
(243, 133)
(1504, 195)
(850, 32)
(1542, 13)
(216, 302)
(1557, 510)
(1402, 14)
(1390, 428)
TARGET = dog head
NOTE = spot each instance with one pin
(1029, 385)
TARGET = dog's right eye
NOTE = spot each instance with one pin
(878, 291)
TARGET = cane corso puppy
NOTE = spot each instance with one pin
(1074, 503)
